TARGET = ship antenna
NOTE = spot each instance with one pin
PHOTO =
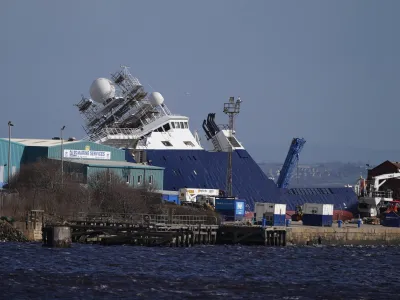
(231, 108)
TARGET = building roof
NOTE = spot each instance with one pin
(40, 142)
(396, 163)
(112, 164)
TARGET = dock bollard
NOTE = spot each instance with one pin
(359, 221)
(288, 222)
(339, 223)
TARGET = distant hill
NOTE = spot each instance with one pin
(334, 174)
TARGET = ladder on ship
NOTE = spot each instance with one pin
(216, 144)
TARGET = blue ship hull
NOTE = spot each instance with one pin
(205, 169)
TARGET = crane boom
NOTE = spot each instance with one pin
(290, 162)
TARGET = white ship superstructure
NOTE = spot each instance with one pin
(121, 114)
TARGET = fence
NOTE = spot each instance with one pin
(170, 219)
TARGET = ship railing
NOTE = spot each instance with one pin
(143, 219)
(382, 194)
(375, 194)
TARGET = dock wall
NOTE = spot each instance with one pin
(368, 235)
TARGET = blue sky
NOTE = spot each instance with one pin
(327, 71)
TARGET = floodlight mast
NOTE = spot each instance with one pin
(232, 109)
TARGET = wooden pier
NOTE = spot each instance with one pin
(144, 230)
(169, 230)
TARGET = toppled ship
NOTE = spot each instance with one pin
(120, 113)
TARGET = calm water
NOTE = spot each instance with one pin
(28, 271)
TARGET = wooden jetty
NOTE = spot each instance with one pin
(144, 230)
(168, 230)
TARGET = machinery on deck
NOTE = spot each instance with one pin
(199, 197)
(372, 200)
(298, 215)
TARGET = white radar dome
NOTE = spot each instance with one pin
(156, 99)
(101, 90)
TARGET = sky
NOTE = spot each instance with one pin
(328, 71)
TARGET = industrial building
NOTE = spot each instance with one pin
(84, 158)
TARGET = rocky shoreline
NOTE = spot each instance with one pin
(10, 234)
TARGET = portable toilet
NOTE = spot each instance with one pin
(317, 214)
(230, 209)
(274, 213)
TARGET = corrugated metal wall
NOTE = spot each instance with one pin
(137, 176)
(116, 154)
(17, 151)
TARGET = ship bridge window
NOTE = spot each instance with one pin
(186, 124)
(189, 143)
(177, 125)
(182, 125)
(173, 124)
(166, 127)
(166, 143)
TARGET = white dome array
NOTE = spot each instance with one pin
(156, 99)
(101, 90)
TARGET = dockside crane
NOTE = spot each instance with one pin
(290, 163)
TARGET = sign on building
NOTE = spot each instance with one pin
(87, 154)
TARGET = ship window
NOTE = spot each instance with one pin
(177, 125)
(151, 179)
(166, 143)
(173, 124)
(182, 125)
(133, 180)
(166, 127)
(127, 179)
(233, 141)
(189, 143)
(186, 125)
(139, 179)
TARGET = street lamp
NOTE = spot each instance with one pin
(10, 124)
(62, 156)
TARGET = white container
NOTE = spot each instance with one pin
(318, 209)
(268, 209)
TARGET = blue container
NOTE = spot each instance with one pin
(391, 220)
(359, 223)
(235, 207)
(288, 222)
(339, 223)
(317, 220)
(171, 198)
(279, 220)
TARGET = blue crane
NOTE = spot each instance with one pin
(291, 160)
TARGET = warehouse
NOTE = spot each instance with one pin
(83, 156)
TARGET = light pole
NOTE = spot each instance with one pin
(62, 156)
(10, 124)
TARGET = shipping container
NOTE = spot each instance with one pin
(391, 219)
(316, 214)
(230, 209)
(274, 213)
(170, 196)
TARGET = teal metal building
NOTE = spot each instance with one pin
(81, 157)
